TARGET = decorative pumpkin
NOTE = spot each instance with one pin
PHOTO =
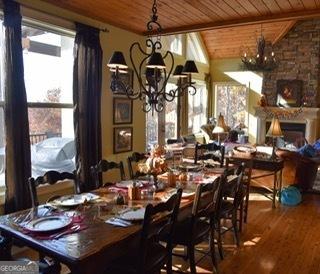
(183, 177)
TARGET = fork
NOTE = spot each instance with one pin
(72, 229)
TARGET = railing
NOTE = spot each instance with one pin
(38, 137)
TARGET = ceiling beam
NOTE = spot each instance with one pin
(284, 31)
(297, 15)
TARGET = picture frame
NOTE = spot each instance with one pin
(122, 111)
(289, 93)
(126, 78)
(122, 139)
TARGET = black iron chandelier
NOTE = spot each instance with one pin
(259, 62)
(152, 73)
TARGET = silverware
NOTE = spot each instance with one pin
(72, 229)
(118, 222)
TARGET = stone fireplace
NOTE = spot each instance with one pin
(306, 122)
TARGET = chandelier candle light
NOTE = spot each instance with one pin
(152, 72)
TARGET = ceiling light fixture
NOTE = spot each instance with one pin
(259, 62)
(152, 73)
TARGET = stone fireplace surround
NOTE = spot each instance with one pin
(309, 116)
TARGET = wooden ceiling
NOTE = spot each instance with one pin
(233, 41)
(220, 16)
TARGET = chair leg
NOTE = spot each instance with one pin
(169, 263)
(246, 205)
(192, 259)
(241, 216)
(212, 251)
(235, 227)
(220, 248)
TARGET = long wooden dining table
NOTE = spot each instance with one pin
(92, 249)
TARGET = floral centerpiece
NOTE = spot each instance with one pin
(155, 164)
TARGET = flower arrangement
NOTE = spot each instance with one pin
(155, 164)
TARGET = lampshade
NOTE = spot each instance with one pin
(178, 71)
(275, 129)
(156, 61)
(221, 122)
(190, 67)
(218, 129)
(117, 60)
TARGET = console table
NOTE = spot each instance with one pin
(273, 167)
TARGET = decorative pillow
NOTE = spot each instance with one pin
(308, 151)
(316, 145)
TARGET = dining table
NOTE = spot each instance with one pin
(97, 243)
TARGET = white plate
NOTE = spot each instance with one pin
(47, 224)
(133, 214)
(77, 199)
(126, 184)
(187, 193)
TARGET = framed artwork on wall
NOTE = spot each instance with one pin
(122, 139)
(122, 111)
(126, 78)
(289, 93)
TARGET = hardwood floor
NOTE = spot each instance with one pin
(279, 241)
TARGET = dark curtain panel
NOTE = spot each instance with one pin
(87, 78)
(18, 162)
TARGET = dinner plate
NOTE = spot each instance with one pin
(47, 224)
(189, 167)
(76, 199)
(134, 214)
(128, 183)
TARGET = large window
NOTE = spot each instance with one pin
(197, 108)
(48, 74)
(232, 103)
(195, 49)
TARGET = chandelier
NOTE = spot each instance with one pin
(259, 62)
(153, 71)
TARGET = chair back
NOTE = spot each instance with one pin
(135, 158)
(245, 163)
(104, 166)
(209, 151)
(150, 231)
(50, 177)
(204, 202)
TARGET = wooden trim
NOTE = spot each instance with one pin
(297, 15)
(284, 31)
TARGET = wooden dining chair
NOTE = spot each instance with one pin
(149, 256)
(246, 180)
(135, 158)
(50, 177)
(226, 209)
(210, 151)
(104, 166)
(196, 228)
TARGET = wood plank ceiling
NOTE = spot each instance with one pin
(221, 21)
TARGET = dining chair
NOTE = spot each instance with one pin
(51, 177)
(226, 209)
(197, 227)
(246, 180)
(104, 166)
(135, 158)
(149, 256)
(210, 151)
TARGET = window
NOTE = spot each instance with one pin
(195, 50)
(48, 73)
(232, 102)
(197, 108)
(163, 125)
(172, 43)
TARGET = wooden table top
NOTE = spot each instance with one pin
(86, 250)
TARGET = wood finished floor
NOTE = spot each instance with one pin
(279, 241)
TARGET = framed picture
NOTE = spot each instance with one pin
(289, 93)
(122, 139)
(122, 111)
(126, 78)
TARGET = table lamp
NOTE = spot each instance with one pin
(274, 132)
(221, 127)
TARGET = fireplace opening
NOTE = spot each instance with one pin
(293, 133)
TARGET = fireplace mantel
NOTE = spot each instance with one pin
(308, 116)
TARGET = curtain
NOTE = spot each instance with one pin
(210, 107)
(18, 159)
(87, 78)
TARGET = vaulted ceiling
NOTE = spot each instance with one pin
(225, 24)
